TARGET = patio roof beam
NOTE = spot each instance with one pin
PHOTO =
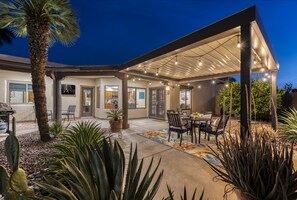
(245, 79)
(215, 76)
(150, 76)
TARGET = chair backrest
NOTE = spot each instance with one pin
(222, 123)
(71, 108)
(170, 111)
(186, 112)
(209, 116)
(174, 119)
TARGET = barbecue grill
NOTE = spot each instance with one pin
(5, 112)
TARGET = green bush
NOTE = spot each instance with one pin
(261, 99)
(57, 129)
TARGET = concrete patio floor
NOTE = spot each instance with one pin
(180, 169)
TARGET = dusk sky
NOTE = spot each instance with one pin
(116, 31)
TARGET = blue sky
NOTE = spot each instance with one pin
(116, 31)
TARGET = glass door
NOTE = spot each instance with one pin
(157, 103)
(87, 102)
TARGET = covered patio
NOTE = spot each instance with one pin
(235, 46)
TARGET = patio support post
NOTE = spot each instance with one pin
(245, 79)
(57, 98)
(125, 101)
(273, 101)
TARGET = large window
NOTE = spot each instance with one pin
(111, 96)
(136, 97)
(185, 99)
(19, 93)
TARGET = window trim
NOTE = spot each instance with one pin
(145, 98)
(105, 94)
(186, 90)
(27, 95)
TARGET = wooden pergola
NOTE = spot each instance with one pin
(235, 46)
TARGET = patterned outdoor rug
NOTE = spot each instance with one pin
(201, 150)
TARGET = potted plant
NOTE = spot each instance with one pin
(115, 119)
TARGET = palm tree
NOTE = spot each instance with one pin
(44, 22)
(6, 36)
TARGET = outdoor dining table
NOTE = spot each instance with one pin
(195, 123)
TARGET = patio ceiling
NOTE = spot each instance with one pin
(209, 56)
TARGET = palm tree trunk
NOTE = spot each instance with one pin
(38, 31)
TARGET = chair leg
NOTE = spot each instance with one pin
(74, 117)
(205, 135)
(68, 117)
(181, 139)
(199, 136)
(208, 136)
(217, 140)
(169, 133)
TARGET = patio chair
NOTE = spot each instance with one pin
(70, 111)
(170, 111)
(49, 114)
(218, 128)
(176, 125)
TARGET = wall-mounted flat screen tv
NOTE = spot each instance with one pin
(68, 89)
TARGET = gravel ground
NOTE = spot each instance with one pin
(32, 153)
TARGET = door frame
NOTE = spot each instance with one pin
(81, 100)
(150, 103)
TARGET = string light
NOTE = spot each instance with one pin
(157, 73)
(238, 42)
(176, 62)
(199, 86)
(139, 79)
(264, 79)
(145, 71)
(213, 81)
(266, 74)
(269, 76)
(200, 62)
(188, 84)
(227, 85)
(127, 75)
(262, 69)
(133, 79)
(255, 61)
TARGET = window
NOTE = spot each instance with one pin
(136, 97)
(20, 93)
(111, 97)
(185, 99)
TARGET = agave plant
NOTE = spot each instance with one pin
(57, 128)
(114, 114)
(257, 166)
(288, 125)
(184, 196)
(101, 176)
(77, 137)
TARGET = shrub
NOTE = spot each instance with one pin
(57, 129)
(288, 125)
(77, 137)
(261, 99)
(258, 166)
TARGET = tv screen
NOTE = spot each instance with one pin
(68, 89)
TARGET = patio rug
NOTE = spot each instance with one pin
(201, 150)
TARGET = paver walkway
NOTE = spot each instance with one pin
(180, 169)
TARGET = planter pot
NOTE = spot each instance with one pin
(115, 126)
